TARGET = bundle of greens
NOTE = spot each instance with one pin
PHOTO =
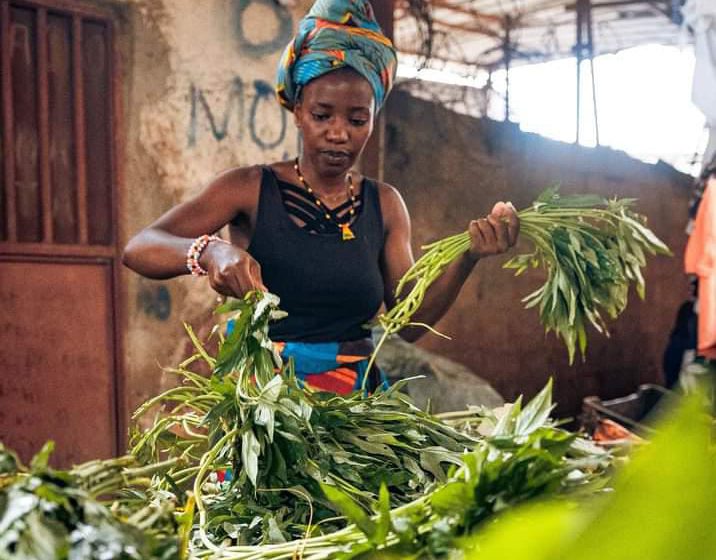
(305, 465)
(525, 457)
(47, 513)
(591, 249)
(487, 511)
(282, 441)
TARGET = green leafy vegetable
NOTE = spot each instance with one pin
(46, 513)
(591, 248)
(662, 506)
(283, 442)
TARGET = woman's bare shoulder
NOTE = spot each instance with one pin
(392, 207)
(238, 178)
(391, 201)
(237, 187)
(283, 170)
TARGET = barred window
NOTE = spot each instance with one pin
(56, 157)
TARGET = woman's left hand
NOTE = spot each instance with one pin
(495, 233)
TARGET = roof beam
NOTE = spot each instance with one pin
(490, 18)
(663, 6)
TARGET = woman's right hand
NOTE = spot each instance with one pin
(232, 271)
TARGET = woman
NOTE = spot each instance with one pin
(330, 243)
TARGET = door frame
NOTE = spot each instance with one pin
(80, 10)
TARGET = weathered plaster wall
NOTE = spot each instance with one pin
(452, 168)
(198, 99)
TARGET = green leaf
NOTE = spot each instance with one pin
(250, 449)
(231, 305)
(432, 457)
(536, 413)
(348, 507)
(272, 390)
(264, 416)
(453, 498)
(374, 448)
(506, 424)
(40, 461)
(274, 532)
(266, 302)
(47, 538)
(9, 463)
(17, 504)
(383, 522)
(649, 237)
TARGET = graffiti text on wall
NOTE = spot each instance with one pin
(281, 35)
(261, 115)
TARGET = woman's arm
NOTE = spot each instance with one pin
(490, 236)
(160, 250)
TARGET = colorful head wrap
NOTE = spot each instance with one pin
(335, 34)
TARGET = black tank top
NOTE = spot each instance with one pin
(329, 287)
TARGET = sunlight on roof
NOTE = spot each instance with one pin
(643, 102)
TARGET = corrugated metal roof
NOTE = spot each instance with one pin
(475, 32)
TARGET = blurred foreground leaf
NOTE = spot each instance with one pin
(663, 507)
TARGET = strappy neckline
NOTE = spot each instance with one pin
(298, 206)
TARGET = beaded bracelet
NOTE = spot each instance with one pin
(195, 251)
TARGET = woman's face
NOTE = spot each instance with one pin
(335, 116)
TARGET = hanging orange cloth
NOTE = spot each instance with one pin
(700, 259)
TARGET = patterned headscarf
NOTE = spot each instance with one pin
(335, 34)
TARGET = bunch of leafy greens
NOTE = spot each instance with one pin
(509, 501)
(306, 464)
(47, 513)
(525, 457)
(661, 504)
(662, 507)
(282, 441)
(591, 248)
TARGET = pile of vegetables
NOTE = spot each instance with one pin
(47, 513)
(314, 474)
(304, 463)
(591, 248)
(248, 463)
(283, 441)
(524, 457)
(517, 495)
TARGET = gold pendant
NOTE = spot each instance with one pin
(346, 232)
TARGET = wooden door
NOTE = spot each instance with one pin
(59, 343)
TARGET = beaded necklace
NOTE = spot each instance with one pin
(346, 232)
